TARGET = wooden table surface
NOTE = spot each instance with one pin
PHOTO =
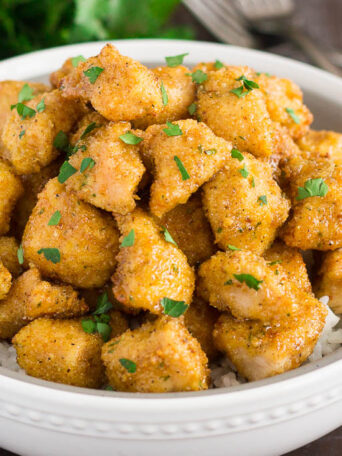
(322, 20)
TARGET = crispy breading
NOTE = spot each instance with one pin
(86, 238)
(200, 319)
(118, 323)
(5, 281)
(292, 263)
(244, 121)
(111, 180)
(327, 144)
(180, 92)
(29, 142)
(64, 70)
(329, 280)
(152, 268)
(11, 190)
(282, 94)
(163, 354)
(124, 89)
(8, 254)
(259, 351)
(190, 229)
(200, 152)
(60, 351)
(244, 204)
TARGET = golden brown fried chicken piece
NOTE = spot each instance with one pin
(118, 87)
(8, 254)
(84, 242)
(30, 142)
(11, 190)
(244, 204)
(109, 171)
(285, 105)
(329, 281)
(60, 351)
(5, 281)
(182, 163)
(158, 357)
(149, 268)
(259, 351)
(326, 144)
(190, 229)
(118, 323)
(58, 75)
(242, 120)
(180, 92)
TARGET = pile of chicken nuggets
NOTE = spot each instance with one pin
(153, 220)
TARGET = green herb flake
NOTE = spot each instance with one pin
(272, 263)
(246, 87)
(235, 153)
(21, 134)
(61, 141)
(65, 172)
(218, 64)
(172, 129)
(89, 129)
(249, 280)
(87, 163)
(128, 240)
(312, 187)
(23, 110)
(210, 152)
(293, 115)
(55, 218)
(168, 237)
(262, 200)
(93, 73)
(103, 305)
(232, 247)
(165, 98)
(192, 109)
(109, 388)
(129, 365)
(185, 175)
(228, 282)
(76, 60)
(104, 329)
(50, 254)
(175, 60)
(130, 138)
(20, 254)
(25, 94)
(244, 172)
(253, 182)
(41, 105)
(173, 308)
(198, 76)
(88, 326)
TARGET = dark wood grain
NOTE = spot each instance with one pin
(322, 20)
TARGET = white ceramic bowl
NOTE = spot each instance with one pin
(269, 417)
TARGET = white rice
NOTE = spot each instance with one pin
(223, 372)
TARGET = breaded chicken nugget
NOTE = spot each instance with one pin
(118, 323)
(158, 357)
(326, 144)
(8, 254)
(180, 93)
(5, 281)
(60, 351)
(259, 351)
(285, 105)
(11, 190)
(190, 229)
(184, 155)
(244, 204)
(240, 116)
(329, 280)
(30, 141)
(150, 268)
(109, 170)
(78, 245)
(58, 75)
(118, 87)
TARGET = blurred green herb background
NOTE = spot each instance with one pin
(28, 25)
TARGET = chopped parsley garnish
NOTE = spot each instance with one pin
(208, 151)
(76, 60)
(104, 329)
(41, 105)
(246, 87)
(228, 282)
(249, 280)
(218, 64)
(312, 187)
(232, 247)
(235, 153)
(20, 254)
(181, 167)
(50, 254)
(100, 319)
(89, 326)
(87, 163)
(173, 308)
(93, 73)
(25, 94)
(168, 237)
(272, 263)
(61, 141)
(109, 388)
(55, 218)
(129, 365)
(23, 110)
(175, 60)
(192, 109)
(130, 138)
(128, 240)
(103, 305)
(21, 134)
(65, 172)
(198, 76)
(262, 200)
(293, 115)
(165, 98)
(172, 129)
(244, 172)
(89, 129)
(253, 182)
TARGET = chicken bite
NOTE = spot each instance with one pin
(190, 229)
(118, 87)
(259, 351)
(240, 116)
(30, 142)
(326, 144)
(60, 351)
(180, 91)
(244, 204)
(8, 254)
(149, 267)
(11, 190)
(329, 280)
(181, 163)
(118, 323)
(58, 75)
(80, 249)
(5, 281)
(108, 170)
(158, 357)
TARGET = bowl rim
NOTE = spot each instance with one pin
(34, 64)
